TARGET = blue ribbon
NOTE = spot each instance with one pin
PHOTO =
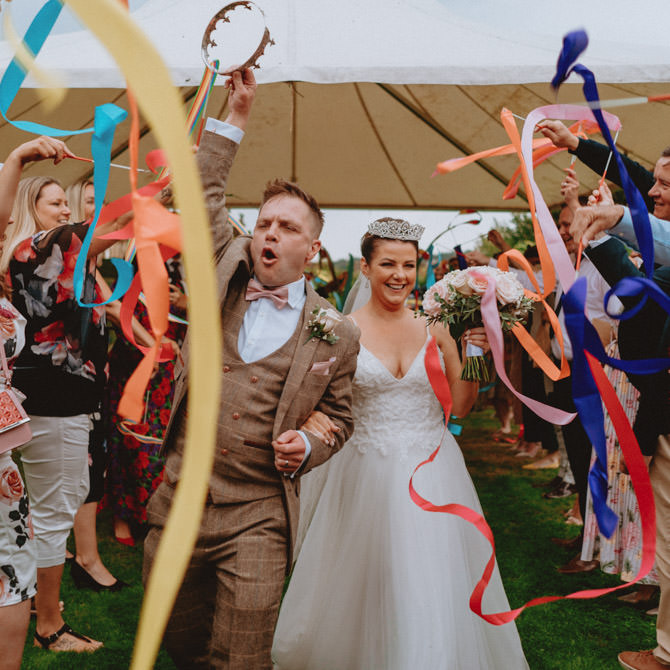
(430, 272)
(582, 333)
(574, 44)
(587, 399)
(462, 263)
(107, 117)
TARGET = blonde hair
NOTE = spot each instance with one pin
(26, 222)
(75, 198)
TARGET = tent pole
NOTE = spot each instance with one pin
(434, 125)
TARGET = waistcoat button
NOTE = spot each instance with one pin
(224, 451)
(254, 379)
(226, 368)
(236, 415)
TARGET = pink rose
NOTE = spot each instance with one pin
(478, 281)
(11, 486)
(431, 305)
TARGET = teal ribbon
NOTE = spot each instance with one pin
(107, 117)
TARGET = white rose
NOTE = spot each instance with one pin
(458, 280)
(508, 289)
(329, 318)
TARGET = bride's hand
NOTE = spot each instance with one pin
(322, 426)
(477, 337)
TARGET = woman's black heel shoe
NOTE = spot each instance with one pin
(83, 580)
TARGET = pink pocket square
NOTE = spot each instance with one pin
(322, 367)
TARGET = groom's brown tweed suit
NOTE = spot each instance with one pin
(226, 610)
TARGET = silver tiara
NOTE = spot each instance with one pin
(396, 229)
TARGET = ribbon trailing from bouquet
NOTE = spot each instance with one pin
(632, 457)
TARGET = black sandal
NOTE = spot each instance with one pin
(46, 642)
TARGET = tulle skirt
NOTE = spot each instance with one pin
(380, 584)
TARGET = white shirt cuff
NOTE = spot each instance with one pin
(599, 241)
(233, 133)
(308, 451)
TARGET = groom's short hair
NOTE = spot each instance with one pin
(284, 187)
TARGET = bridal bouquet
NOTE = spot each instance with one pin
(455, 302)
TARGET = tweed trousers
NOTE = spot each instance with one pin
(227, 607)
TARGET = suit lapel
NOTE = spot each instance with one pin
(302, 359)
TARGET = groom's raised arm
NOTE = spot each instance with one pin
(218, 147)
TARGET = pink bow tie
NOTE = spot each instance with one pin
(278, 295)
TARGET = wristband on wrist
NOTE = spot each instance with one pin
(455, 425)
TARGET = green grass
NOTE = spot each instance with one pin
(109, 617)
(570, 635)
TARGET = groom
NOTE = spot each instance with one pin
(280, 363)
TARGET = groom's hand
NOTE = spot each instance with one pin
(289, 450)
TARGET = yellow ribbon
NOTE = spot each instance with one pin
(162, 107)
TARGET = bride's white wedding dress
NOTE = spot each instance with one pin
(380, 584)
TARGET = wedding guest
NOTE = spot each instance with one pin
(135, 462)
(61, 371)
(18, 574)
(87, 567)
(379, 582)
(645, 335)
(284, 354)
(617, 219)
(577, 443)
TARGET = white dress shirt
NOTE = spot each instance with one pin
(596, 288)
(266, 328)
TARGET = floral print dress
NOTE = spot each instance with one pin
(135, 465)
(18, 568)
(62, 369)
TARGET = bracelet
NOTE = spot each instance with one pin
(455, 425)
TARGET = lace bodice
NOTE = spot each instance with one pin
(396, 417)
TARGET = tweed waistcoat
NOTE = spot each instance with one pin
(244, 459)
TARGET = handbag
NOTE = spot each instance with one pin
(14, 428)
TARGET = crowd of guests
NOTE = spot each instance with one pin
(294, 406)
(59, 355)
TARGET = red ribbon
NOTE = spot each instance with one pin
(632, 457)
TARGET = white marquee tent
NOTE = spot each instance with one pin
(359, 100)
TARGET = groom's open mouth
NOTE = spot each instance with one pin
(268, 255)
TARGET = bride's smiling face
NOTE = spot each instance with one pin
(391, 271)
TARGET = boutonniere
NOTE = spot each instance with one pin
(322, 325)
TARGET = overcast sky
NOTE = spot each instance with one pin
(345, 227)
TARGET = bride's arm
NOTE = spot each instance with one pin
(463, 393)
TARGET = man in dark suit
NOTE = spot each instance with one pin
(646, 335)
(286, 353)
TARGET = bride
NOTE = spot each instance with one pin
(380, 584)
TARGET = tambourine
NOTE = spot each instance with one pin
(234, 32)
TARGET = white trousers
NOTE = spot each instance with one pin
(55, 465)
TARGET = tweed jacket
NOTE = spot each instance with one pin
(303, 391)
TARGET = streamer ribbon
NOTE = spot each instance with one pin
(632, 457)
(106, 118)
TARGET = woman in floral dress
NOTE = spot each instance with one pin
(135, 466)
(61, 370)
